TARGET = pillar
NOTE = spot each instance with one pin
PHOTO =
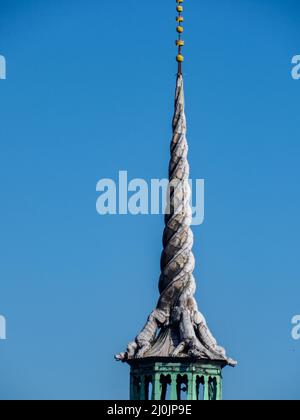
(219, 389)
(135, 388)
(156, 387)
(143, 388)
(192, 387)
(212, 388)
(206, 388)
(173, 393)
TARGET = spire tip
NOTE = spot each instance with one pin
(180, 30)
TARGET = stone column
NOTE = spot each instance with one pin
(206, 388)
(212, 385)
(156, 387)
(219, 389)
(135, 389)
(192, 387)
(173, 394)
(143, 388)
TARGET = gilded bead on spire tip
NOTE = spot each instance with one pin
(180, 30)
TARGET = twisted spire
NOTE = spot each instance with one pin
(177, 260)
(176, 328)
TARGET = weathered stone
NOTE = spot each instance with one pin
(176, 328)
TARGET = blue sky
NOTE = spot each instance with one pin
(89, 92)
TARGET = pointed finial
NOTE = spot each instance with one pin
(180, 30)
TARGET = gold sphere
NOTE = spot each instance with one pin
(180, 43)
(180, 29)
(180, 58)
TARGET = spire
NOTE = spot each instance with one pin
(176, 328)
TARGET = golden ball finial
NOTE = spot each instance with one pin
(180, 30)
(179, 43)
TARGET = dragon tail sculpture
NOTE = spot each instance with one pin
(176, 328)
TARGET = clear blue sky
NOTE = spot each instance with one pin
(90, 92)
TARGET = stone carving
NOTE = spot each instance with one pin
(176, 328)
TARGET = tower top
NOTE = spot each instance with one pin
(176, 328)
(180, 30)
